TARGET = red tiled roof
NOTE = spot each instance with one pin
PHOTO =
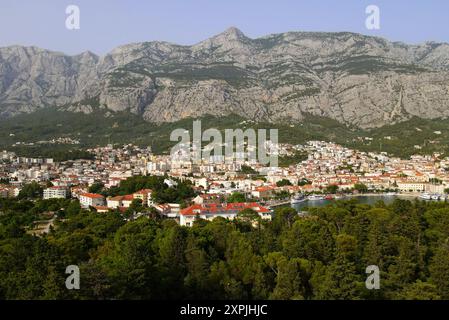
(92, 195)
(144, 191)
(209, 196)
(262, 189)
(128, 197)
(102, 208)
(116, 198)
(222, 208)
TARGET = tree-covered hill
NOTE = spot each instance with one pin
(415, 136)
(322, 255)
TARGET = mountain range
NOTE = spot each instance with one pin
(360, 81)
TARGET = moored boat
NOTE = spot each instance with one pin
(298, 199)
(435, 197)
(425, 196)
(315, 197)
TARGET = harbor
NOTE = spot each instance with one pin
(302, 201)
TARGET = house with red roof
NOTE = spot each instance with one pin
(263, 192)
(145, 196)
(127, 200)
(9, 191)
(207, 198)
(114, 202)
(225, 210)
(162, 208)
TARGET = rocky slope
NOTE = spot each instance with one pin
(358, 80)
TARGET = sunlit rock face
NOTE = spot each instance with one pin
(355, 79)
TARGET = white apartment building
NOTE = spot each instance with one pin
(411, 186)
(432, 188)
(55, 193)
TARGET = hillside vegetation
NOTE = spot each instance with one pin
(102, 127)
(323, 255)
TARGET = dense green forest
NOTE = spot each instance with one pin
(122, 128)
(320, 255)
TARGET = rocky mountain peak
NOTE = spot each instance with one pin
(232, 33)
(231, 38)
(88, 57)
(355, 79)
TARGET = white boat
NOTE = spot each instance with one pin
(425, 196)
(298, 199)
(315, 197)
(390, 193)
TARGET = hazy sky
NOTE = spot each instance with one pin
(105, 24)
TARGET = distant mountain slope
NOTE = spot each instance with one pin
(35, 130)
(355, 79)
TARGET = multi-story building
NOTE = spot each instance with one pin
(411, 186)
(127, 200)
(91, 200)
(226, 210)
(145, 196)
(55, 193)
(263, 192)
(114, 202)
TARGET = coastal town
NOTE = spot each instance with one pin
(329, 171)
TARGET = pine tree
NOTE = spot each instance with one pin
(439, 271)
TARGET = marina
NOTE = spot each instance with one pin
(387, 198)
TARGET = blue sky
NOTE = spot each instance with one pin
(106, 24)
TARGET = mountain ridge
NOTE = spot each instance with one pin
(355, 79)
